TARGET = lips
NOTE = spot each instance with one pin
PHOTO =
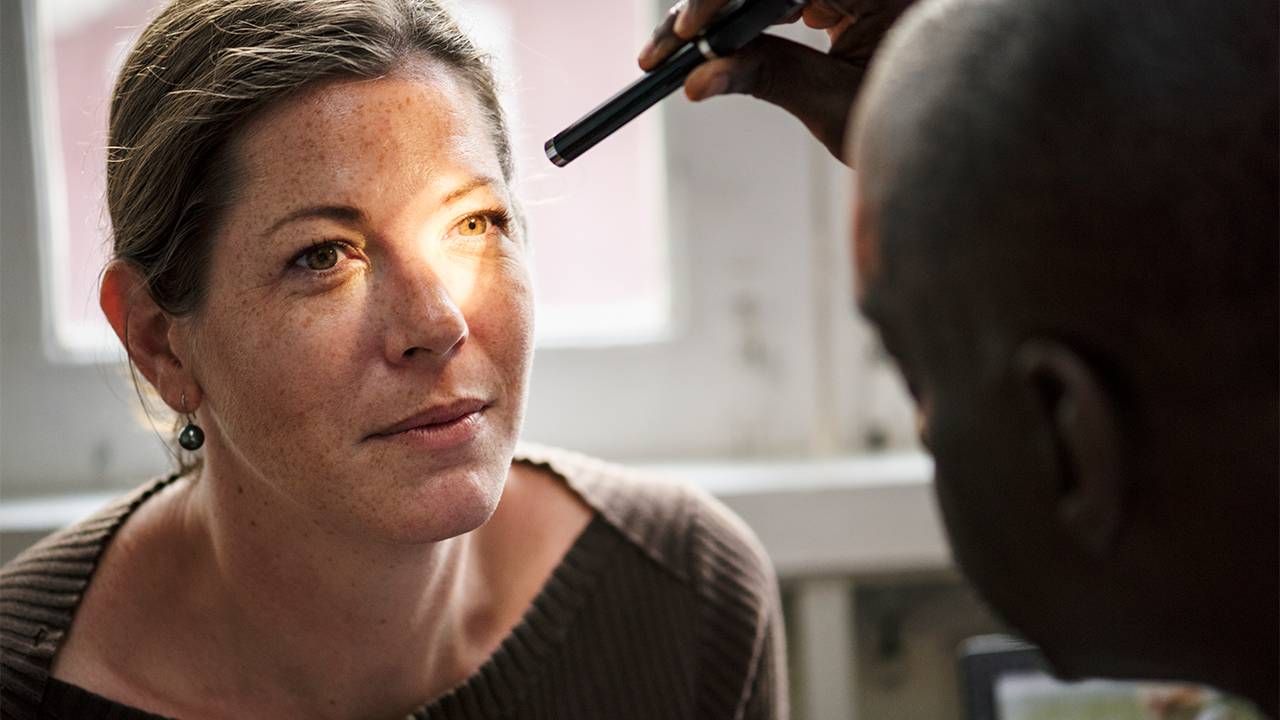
(439, 415)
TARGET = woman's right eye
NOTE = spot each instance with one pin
(320, 257)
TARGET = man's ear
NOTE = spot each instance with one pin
(144, 330)
(1084, 426)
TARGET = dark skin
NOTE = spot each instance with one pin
(1090, 534)
(1087, 533)
(817, 88)
(1106, 465)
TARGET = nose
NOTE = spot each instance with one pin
(423, 319)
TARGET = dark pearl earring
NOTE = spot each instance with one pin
(191, 437)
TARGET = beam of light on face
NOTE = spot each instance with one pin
(469, 225)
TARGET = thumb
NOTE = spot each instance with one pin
(816, 88)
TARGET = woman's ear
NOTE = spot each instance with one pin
(1084, 427)
(144, 331)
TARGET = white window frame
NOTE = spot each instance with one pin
(766, 357)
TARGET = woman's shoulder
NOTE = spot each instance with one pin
(41, 589)
(71, 552)
(733, 631)
(678, 525)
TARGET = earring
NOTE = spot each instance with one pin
(191, 437)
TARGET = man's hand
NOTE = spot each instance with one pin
(817, 88)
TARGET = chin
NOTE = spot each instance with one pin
(451, 502)
(1064, 646)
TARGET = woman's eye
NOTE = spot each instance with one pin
(319, 258)
(474, 225)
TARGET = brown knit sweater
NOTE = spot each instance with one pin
(664, 607)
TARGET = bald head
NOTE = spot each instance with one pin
(1072, 155)
(1103, 171)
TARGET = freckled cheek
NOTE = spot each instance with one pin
(500, 319)
(283, 365)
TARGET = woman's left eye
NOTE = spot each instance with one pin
(474, 225)
(481, 223)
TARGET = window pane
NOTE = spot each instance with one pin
(84, 45)
(598, 228)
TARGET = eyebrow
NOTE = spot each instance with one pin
(341, 213)
(353, 215)
(468, 187)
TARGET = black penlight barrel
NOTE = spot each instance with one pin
(745, 21)
(622, 108)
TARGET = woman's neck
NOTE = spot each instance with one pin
(346, 626)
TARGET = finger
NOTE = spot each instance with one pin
(858, 41)
(858, 8)
(711, 78)
(662, 43)
(821, 16)
(835, 31)
(872, 19)
(816, 88)
(695, 16)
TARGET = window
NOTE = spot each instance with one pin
(84, 45)
(693, 269)
(582, 233)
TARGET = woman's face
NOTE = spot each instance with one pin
(367, 332)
